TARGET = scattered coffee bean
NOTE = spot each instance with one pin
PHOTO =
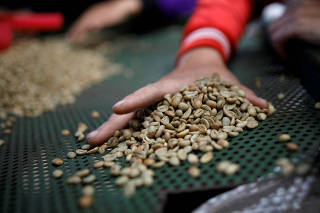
(129, 188)
(222, 166)
(262, 116)
(223, 143)
(85, 146)
(57, 161)
(257, 83)
(122, 180)
(92, 151)
(200, 117)
(7, 131)
(86, 201)
(98, 164)
(282, 78)
(287, 168)
(65, 132)
(95, 114)
(57, 173)
(82, 173)
(88, 190)
(292, 146)
(174, 161)
(193, 159)
(227, 167)
(71, 155)
(206, 158)
(82, 127)
(284, 137)
(74, 180)
(81, 152)
(281, 96)
(89, 179)
(194, 172)
(231, 169)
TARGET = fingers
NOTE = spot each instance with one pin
(106, 130)
(253, 98)
(100, 15)
(280, 31)
(250, 95)
(91, 20)
(149, 94)
(305, 28)
(78, 32)
(139, 99)
(154, 92)
(280, 23)
(297, 22)
(126, 108)
(281, 36)
(146, 96)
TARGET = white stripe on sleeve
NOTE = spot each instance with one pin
(209, 33)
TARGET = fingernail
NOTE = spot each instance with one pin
(92, 134)
(119, 103)
(263, 101)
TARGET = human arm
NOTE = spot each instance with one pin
(195, 60)
(197, 63)
(103, 14)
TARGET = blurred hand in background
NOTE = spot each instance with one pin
(300, 21)
(101, 15)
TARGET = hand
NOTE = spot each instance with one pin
(301, 21)
(104, 14)
(200, 62)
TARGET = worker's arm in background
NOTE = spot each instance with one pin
(109, 13)
(209, 38)
(301, 20)
(103, 14)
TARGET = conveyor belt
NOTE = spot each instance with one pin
(26, 183)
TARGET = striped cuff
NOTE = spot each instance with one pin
(210, 37)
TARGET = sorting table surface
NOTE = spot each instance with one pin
(26, 182)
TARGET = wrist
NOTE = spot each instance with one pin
(203, 57)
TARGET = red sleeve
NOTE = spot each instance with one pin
(218, 24)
